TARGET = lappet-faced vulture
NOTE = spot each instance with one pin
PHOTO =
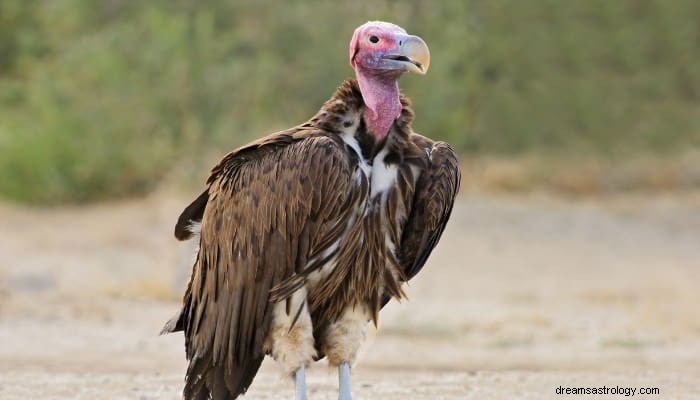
(304, 235)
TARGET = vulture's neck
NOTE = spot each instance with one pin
(380, 93)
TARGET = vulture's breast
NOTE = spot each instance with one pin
(367, 248)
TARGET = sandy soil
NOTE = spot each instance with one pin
(522, 296)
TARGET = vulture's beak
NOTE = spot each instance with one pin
(413, 53)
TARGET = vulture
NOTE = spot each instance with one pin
(304, 235)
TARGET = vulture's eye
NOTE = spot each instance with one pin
(373, 39)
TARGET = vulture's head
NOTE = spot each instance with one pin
(383, 48)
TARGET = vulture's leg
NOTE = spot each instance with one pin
(342, 340)
(344, 382)
(300, 384)
(291, 339)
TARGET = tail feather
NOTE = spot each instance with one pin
(207, 381)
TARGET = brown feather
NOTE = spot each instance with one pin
(281, 208)
(245, 239)
(191, 214)
(436, 190)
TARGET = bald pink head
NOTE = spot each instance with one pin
(380, 52)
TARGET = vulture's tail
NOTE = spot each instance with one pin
(205, 378)
(207, 381)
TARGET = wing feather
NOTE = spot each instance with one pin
(190, 216)
(435, 192)
(265, 204)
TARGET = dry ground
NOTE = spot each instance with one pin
(523, 295)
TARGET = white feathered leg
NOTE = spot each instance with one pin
(342, 340)
(291, 339)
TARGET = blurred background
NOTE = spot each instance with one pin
(107, 99)
(573, 254)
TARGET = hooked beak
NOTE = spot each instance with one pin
(413, 53)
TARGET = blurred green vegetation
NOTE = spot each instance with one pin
(104, 99)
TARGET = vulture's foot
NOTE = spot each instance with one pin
(344, 382)
(300, 384)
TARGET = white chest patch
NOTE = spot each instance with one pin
(383, 175)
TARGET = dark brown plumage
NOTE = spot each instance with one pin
(278, 210)
(307, 233)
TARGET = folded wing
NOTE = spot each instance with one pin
(434, 197)
(266, 207)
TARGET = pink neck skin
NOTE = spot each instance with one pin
(382, 104)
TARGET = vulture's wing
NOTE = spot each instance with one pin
(266, 208)
(191, 216)
(435, 193)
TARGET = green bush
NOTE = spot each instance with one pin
(103, 99)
